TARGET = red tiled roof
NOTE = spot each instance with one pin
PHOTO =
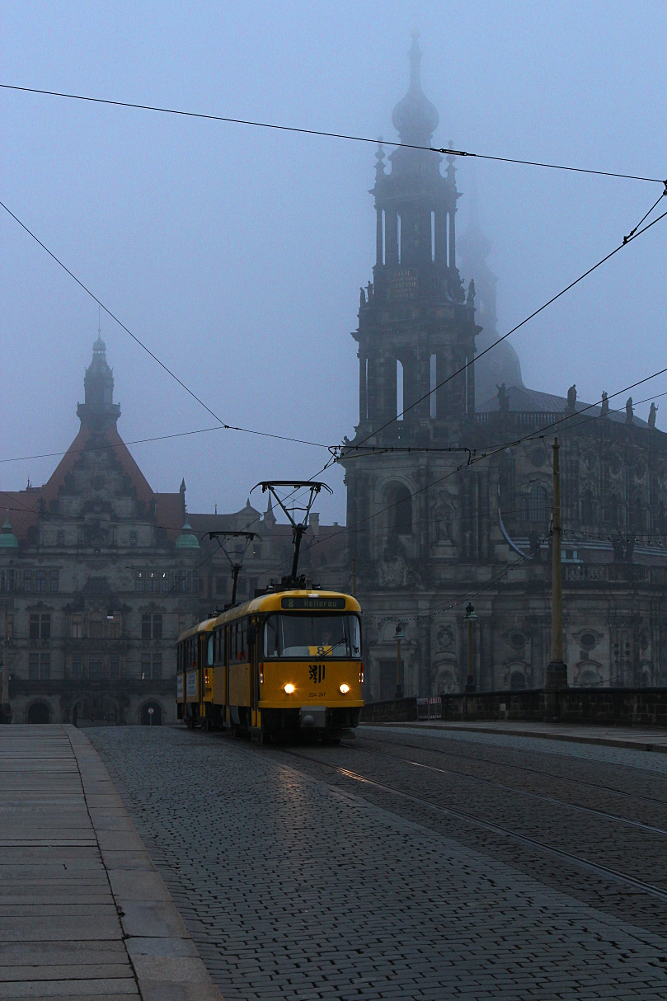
(51, 489)
(22, 509)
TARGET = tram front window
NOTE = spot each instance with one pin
(297, 636)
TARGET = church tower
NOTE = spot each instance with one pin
(416, 329)
(416, 323)
(501, 365)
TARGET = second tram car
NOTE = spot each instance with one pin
(284, 663)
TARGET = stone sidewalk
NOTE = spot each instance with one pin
(83, 911)
(637, 739)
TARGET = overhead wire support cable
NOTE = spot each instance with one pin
(144, 347)
(322, 132)
(464, 368)
(479, 455)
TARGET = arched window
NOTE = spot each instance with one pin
(517, 681)
(402, 511)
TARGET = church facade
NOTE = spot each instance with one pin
(449, 472)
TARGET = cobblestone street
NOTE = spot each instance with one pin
(407, 864)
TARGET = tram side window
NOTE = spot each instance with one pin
(238, 641)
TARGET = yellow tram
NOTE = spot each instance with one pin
(284, 663)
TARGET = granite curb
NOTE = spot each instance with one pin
(651, 742)
(166, 963)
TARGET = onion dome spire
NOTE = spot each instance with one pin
(415, 118)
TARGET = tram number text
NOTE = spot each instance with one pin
(316, 673)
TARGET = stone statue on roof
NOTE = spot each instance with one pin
(605, 405)
(652, 415)
(572, 397)
(503, 398)
(629, 412)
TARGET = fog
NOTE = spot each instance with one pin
(236, 253)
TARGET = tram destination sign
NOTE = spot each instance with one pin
(313, 603)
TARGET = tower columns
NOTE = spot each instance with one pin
(391, 237)
(379, 242)
(363, 387)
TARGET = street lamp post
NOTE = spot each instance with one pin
(399, 681)
(470, 618)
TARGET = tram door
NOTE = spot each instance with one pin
(253, 657)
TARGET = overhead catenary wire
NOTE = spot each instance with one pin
(633, 235)
(475, 459)
(223, 424)
(182, 113)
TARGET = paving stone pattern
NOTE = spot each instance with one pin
(294, 886)
(60, 932)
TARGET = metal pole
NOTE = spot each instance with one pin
(399, 693)
(557, 669)
(236, 568)
(298, 532)
(399, 686)
(470, 681)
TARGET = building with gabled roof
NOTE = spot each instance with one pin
(102, 578)
(99, 574)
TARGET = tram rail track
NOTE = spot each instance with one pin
(545, 847)
(521, 792)
(525, 768)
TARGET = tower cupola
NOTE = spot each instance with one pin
(99, 411)
(415, 118)
(416, 322)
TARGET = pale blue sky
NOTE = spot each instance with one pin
(237, 254)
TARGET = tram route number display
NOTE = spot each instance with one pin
(318, 604)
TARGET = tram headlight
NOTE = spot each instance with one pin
(289, 688)
(344, 688)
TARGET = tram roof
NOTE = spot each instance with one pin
(201, 627)
(273, 602)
